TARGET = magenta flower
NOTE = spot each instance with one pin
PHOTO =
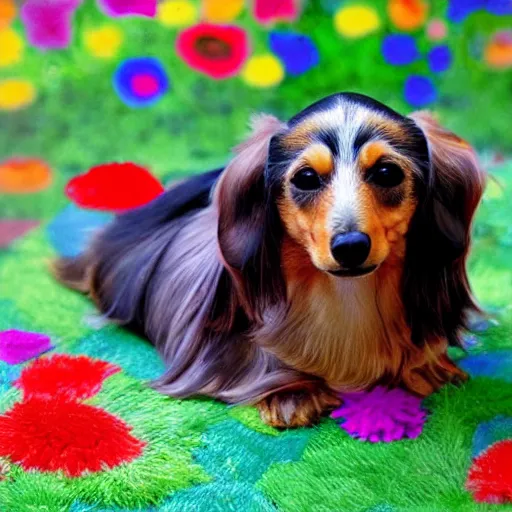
(381, 415)
(49, 23)
(116, 8)
(19, 346)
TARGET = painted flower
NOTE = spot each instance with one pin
(297, 52)
(263, 71)
(216, 51)
(7, 13)
(459, 10)
(440, 59)
(356, 21)
(269, 11)
(104, 42)
(176, 13)
(117, 8)
(498, 52)
(11, 47)
(140, 81)
(49, 25)
(16, 94)
(437, 30)
(59, 434)
(399, 49)
(115, 187)
(24, 175)
(71, 230)
(490, 476)
(419, 91)
(19, 346)
(408, 15)
(222, 11)
(63, 375)
(499, 7)
(11, 230)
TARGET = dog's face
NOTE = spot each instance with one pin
(351, 182)
(347, 169)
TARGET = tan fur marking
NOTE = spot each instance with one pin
(319, 158)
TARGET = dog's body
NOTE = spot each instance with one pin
(329, 255)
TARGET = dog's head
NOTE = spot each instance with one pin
(353, 184)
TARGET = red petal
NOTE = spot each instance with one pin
(218, 68)
(490, 476)
(58, 434)
(114, 187)
(64, 376)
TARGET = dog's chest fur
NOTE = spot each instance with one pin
(349, 332)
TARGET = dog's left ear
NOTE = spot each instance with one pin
(249, 226)
(437, 295)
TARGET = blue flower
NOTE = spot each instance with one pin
(499, 7)
(140, 81)
(297, 51)
(459, 10)
(399, 49)
(439, 59)
(419, 91)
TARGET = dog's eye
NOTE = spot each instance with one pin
(306, 179)
(386, 175)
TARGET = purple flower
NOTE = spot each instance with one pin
(381, 415)
(48, 23)
(116, 8)
(19, 346)
(140, 81)
(419, 91)
(399, 49)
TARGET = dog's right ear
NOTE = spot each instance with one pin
(249, 226)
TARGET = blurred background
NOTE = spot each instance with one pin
(170, 85)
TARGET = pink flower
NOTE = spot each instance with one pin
(269, 11)
(116, 8)
(49, 22)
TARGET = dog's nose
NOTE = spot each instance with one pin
(351, 249)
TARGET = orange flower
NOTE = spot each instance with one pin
(7, 12)
(498, 52)
(24, 176)
(407, 15)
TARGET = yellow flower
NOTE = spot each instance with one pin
(177, 13)
(263, 71)
(221, 11)
(16, 94)
(356, 21)
(103, 42)
(11, 47)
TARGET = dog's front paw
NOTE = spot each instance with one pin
(428, 379)
(299, 408)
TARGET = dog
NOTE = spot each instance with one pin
(328, 256)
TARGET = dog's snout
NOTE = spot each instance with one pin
(351, 249)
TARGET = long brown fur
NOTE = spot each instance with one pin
(229, 276)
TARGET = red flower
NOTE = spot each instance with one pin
(216, 51)
(490, 476)
(114, 187)
(66, 376)
(59, 434)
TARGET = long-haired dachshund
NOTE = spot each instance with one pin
(328, 255)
